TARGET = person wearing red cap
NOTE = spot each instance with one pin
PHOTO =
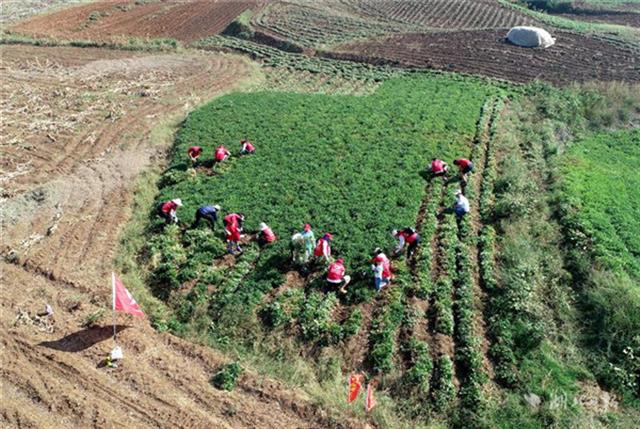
(222, 153)
(438, 167)
(266, 235)
(336, 277)
(323, 248)
(247, 147)
(408, 236)
(194, 153)
(465, 167)
(168, 210)
(381, 267)
(309, 242)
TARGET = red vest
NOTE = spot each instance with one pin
(194, 151)
(221, 152)
(336, 272)
(437, 166)
(168, 207)
(269, 236)
(386, 264)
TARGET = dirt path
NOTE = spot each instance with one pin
(79, 127)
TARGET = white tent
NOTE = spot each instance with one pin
(530, 37)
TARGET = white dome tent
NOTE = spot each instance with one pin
(530, 37)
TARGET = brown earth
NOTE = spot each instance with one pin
(621, 14)
(485, 52)
(65, 202)
(110, 20)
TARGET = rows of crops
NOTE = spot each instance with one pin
(316, 25)
(358, 178)
(446, 14)
(272, 57)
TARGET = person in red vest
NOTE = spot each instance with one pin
(336, 277)
(406, 236)
(438, 167)
(194, 153)
(247, 147)
(266, 235)
(168, 210)
(232, 234)
(233, 219)
(465, 167)
(323, 248)
(222, 153)
(381, 267)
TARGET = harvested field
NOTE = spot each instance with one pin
(105, 21)
(442, 14)
(329, 22)
(573, 58)
(64, 204)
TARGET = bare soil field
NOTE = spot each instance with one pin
(443, 14)
(105, 21)
(485, 52)
(77, 132)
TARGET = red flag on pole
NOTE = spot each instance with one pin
(370, 401)
(355, 383)
(122, 299)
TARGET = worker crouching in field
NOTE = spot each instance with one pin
(246, 147)
(266, 235)
(381, 267)
(232, 235)
(465, 167)
(221, 154)
(461, 204)
(322, 252)
(194, 153)
(208, 213)
(336, 277)
(407, 236)
(297, 248)
(438, 168)
(168, 210)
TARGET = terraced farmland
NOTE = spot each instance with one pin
(440, 14)
(106, 21)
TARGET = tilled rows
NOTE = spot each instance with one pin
(485, 52)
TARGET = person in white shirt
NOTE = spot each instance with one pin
(461, 205)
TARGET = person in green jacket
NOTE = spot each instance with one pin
(309, 242)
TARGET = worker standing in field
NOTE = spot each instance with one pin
(266, 235)
(309, 242)
(438, 167)
(222, 154)
(336, 277)
(407, 236)
(381, 267)
(461, 204)
(297, 248)
(194, 153)
(232, 234)
(465, 167)
(323, 248)
(168, 210)
(247, 147)
(208, 213)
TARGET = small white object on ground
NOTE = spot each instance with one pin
(116, 353)
(530, 37)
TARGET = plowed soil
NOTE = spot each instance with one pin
(572, 58)
(67, 189)
(105, 21)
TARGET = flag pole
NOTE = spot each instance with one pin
(113, 294)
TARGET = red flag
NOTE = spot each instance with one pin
(355, 383)
(370, 401)
(122, 299)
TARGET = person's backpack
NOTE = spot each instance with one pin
(318, 250)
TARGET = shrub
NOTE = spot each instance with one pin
(227, 377)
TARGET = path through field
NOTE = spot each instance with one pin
(79, 126)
